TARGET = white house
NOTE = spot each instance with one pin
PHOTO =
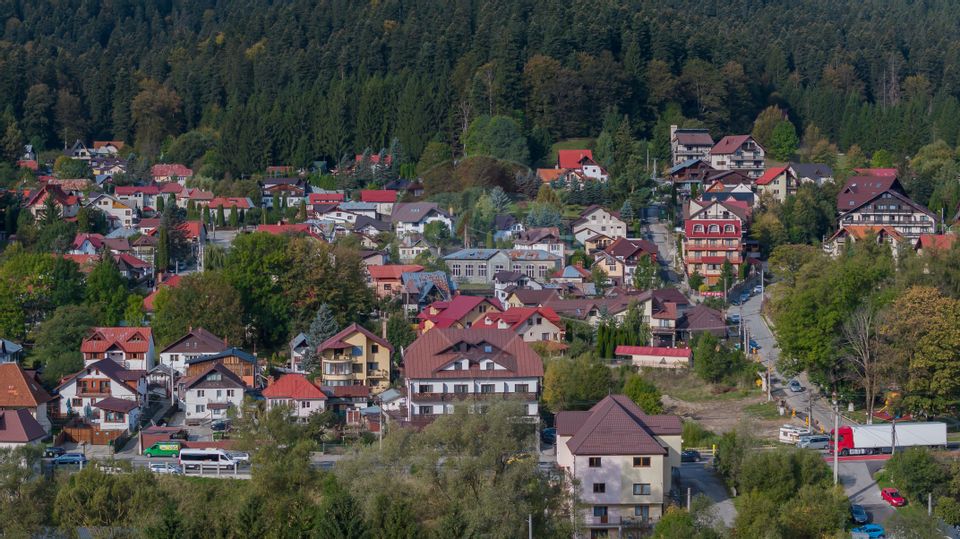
(197, 342)
(118, 214)
(624, 460)
(596, 220)
(295, 391)
(209, 395)
(446, 367)
(105, 394)
(412, 217)
(540, 239)
(129, 347)
(738, 152)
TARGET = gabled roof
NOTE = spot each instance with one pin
(19, 427)
(325, 198)
(624, 350)
(280, 229)
(531, 236)
(730, 144)
(392, 271)
(173, 281)
(18, 389)
(363, 222)
(860, 232)
(770, 174)
(337, 342)
(293, 386)
(191, 381)
(414, 212)
(688, 163)
(128, 339)
(515, 317)
(197, 341)
(378, 195)
(624, 248)
(125, 260)
(936, 241)
(113, 404)
(174, 169)
(572, 272)
(229, 352)
(616, 426)
(435, 349)
(231, 202)
(812, 170)
(129, 190)
(453, 311)
(96, 240)
(534, 298)
(109, 368)
(504, 221)
(585, 214)
(693, 137)
(704, 319)
(860, 190)
(472, 254)
(573, 158)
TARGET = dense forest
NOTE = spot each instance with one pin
(244, 84)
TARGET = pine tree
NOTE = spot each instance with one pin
(221, 219)
(161, 202)
(234, 217)
(339, 517)
(162, 261)
(323, 327)
(499, 199)
(626, 211)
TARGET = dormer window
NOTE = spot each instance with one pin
(487, 348)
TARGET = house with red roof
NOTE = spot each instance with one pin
(620, 258)
(198, 197)
(356, 357)
(241, 203)
(292, 229)
(106, 396)
(386, 279)
(532, 324)
(67, 205)
(713, 234)
(318, 198)
(623, 459)
(450, 367)
(934, 242)
(138, 196)
(383, 198)
(297, 393)
(778, 183)
(86, 243)
(738, 152)
(460, 312)
(582, 163)
(18, 428)
(881, 200)
(171, 281)
(24, 392)
(657, 357)
(173, 172)
(130, 347)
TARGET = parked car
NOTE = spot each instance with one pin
(758, 289)
(893, 497)
(873, 531)
(179, 435)
(689, 456)
(734, 318)
(796, 386)
(744, 297)
(816, 441)
(166, 468)
(219, 426)
(53, 451)
(858, 514)
(70, 458)
(549, 436)
(239, 456)
(754, 345)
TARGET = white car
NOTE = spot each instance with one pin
(166, 468)
(239, 456)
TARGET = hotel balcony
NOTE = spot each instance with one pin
(453, 397)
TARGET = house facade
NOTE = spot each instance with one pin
(532, 324)
(739, 152)
(778, 183)
(24, 392)
(459, 312)
(355, 356)
(688, 143)
(882, 201)
(597, 220)
(196, 343)
(296, 392)
(241, 363)
(105, 395)
(449, 367)
(412, 217)
(656, 357)
(713, 234)
(130, 347)
(211, 394)
(540, 239)
(624, 461)
(386, 280)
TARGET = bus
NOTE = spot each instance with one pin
(195, 459)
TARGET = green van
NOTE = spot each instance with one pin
(163, 449)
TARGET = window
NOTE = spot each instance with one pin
(497, 268)
(698, 228)
(174, 358)
(521, 388)
(304, 404)
(599, 510)
(487, 349)
(641, 462)
(455, 270)
(599, 488)
(594, 462)
(481, 271)
(77, 403)
(460, 388)
(714, 228)
(728, 228)
(426, 388)
(219, 393)
(642, 511)
(487, 388)
(469, 270)
(199, 392)
(641, 489)
(357, 351)
(387, 286)
(201, 408)
(374, 348)
(489, 366)
(426, 410)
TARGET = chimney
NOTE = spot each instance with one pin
(673, 129)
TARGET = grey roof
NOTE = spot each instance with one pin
(364, 221)
(242, 354)
(531, 254)
(414, 212)
(504, 221)
(390, 395)
(122, 233)
(812, 170)
(358, 206)
(472, 254)
(298, 341)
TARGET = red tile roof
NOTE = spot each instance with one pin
(20, 390)
(729, 144)
(118, 144)
(936, 241)
(350, 391)
(293, 386)
(337, 341)
(19, 427)
(861, 189)
(128, 339)
(280, 229)
(325, 198)
(171, 170)
(378, 195)
(451, 312)
(769, 175)
(231, 202)
(127, 190)
(131, 261)
(375, 159)
(172, 281)
(434, 350)
(392, 271)
(170, 187)
(549, 174)
(572, 158)
(624, 350)
(616, 426)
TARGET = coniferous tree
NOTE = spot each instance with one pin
(323, 327)
(234, 221)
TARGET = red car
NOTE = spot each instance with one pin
(893, 497)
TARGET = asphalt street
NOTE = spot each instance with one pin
(700, 478)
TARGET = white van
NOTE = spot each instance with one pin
(195, 459)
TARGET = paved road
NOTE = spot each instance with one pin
(770, 354)
(858, 483)
(701, 479)
(660, 233)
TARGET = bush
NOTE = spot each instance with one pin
(694, 435)
(916, 473)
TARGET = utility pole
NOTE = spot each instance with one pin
(810, 409)
(836, 439)
(893, 437)
(530, 525)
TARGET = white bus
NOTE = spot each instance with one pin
(195, 459)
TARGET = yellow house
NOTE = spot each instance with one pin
(356, 357)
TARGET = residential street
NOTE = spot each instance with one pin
(858, 483)
(701, 479)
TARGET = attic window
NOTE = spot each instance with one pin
(487, 348)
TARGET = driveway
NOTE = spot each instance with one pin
(858, 483)
(700, 478)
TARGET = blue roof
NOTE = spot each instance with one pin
(229, 352)
(358, 206)
(685, 164)
(427, 281)
(472, 254)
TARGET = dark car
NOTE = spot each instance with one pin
(689, 456)
(549, 436)
(744, 297)
(858, 514)
(220, 426)
(70, 458)
(53, 452)
(179, 435)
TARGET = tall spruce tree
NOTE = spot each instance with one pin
(323, 327)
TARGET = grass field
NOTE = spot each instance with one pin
(763, 410)
(685, 385)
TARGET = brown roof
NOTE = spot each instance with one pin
(128, 339)
(19, 426)
(616, 426)
(626, 248)
(414, 212)
(704, 319)
(111, 369)
(537, 235)
(197, 340)
(533, 298)
(693, 137)
(730, 144)
(113, 404)
(861, 189)
(437, 348)
(336, 342)
(18, 389)
(191, 381)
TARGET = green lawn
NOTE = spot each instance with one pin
(685, 385)
(763, 410)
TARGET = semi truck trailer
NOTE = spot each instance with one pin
(875, 439)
